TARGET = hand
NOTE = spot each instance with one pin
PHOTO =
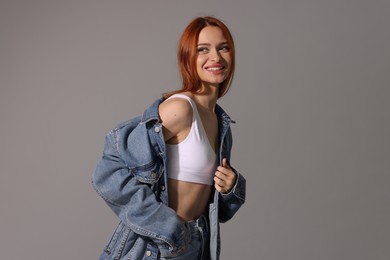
(224, 178)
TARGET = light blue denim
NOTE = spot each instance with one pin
(199, 246)
(131, 178)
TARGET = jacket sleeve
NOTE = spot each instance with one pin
(135, 203)
(230, 202)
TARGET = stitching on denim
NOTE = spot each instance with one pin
(122, 243)
(114, 238)
(133, 248)
(150, 234)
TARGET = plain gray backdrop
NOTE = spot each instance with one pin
(310, 97)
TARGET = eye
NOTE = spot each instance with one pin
(224, 48)
(202, 49)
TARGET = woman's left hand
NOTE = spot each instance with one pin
(224, 178)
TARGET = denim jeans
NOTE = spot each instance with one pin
(199, 247)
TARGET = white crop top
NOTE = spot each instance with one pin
(193, 159)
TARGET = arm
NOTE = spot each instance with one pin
(134, 202)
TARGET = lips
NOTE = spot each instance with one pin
(215, 67)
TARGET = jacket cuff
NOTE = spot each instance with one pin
(238, 189)
(180, 245)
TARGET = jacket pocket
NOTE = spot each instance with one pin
(149, 173)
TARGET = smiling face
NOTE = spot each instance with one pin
(214, 58)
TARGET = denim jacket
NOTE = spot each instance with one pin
(131, 178)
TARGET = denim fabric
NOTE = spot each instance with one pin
(131, 177)
(199, 247)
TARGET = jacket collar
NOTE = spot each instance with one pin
(151, 113)
(225, 118)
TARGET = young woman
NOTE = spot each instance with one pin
(166, 174)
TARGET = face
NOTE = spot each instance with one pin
(214, 57)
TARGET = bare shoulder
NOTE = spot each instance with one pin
(176, 116)
(175, 109)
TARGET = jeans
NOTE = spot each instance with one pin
(198, 249)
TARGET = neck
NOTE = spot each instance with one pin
(207, 97)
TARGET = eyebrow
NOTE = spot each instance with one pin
(208, 44)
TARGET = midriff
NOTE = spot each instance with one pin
(189, 200)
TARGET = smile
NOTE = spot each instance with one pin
(215, 68)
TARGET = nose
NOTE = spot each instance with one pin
(215, 55)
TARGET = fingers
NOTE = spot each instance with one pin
(224, 168)
(222, 183)
(224, 178)
(224, 162)
(219, 188)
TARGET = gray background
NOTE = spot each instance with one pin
(310, 97)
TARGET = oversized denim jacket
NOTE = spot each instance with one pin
(131, 177)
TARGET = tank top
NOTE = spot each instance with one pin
(193, 159)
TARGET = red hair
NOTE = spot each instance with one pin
(187, 54)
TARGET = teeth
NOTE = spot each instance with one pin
(214, 68)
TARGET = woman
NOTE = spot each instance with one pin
(166, 174)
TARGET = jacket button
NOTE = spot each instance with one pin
(154, 175)
(148, 253)
(157, 129)
(162, 187)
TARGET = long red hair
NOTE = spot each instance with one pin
(187, 54)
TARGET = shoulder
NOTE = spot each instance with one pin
(176, 118)
(175, 109)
